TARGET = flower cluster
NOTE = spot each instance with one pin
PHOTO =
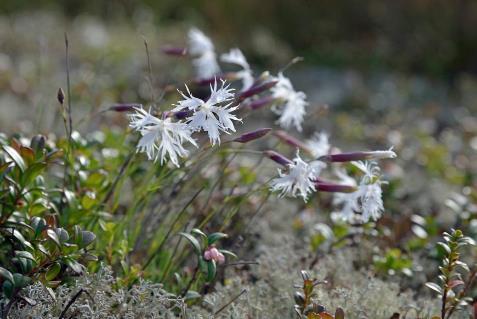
(212, 253)
(162, 138)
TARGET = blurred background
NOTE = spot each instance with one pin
(399, 73)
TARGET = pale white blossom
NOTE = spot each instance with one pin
(319, 144)
(377, 155)
(298, 180)
(366, 203)
(291, 104)
(160, 138)
(235, 56)
(212, 116)
(203, 52)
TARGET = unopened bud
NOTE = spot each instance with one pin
(259, 103)
(253, 135)
(175, 51)
(278, 158)
(257, 89)
(124, 107)
(292, 141)
(358, 156)
(334, 188)
(60, 96)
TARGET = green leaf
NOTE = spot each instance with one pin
(6, 274)
(53, 271)
(8, 288)
(21, 281)
(87, 238)
(212, 238)
(192, 295)
(13, 154)
(32, 172)
(62, 234)
(74, 265)
(24, 254)
(445, 247)
(211, 270)
(53, 236)
(195, 244)
(199, 232)
(228, 252)
(434, 287)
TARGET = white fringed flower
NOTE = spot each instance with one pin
(291, 107)
(366, 203)
(235, 56)
(299, 179)
(160, 138)
(210, 115)
(205, 59)
(319, 144)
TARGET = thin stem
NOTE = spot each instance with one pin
(149, 67)
(230, 302)
(179, 215)
(191, 281)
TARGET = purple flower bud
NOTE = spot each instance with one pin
(253, 135)
(60, 96)
(334, 188)
(175, 51)
(127, 107)
(181, 115)
(278, 158)
(257, 89)
(259, 103)
(292, 141)
(358, 156)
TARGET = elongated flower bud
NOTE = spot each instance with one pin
(278, 158)
(358, 156)
(60, 96)
(334, 188)
(175, 51)
(259, 103)
(292, 141)
(253, 135)
(124, 107)
(257, 89)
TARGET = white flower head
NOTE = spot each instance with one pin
(366, 203)
(211, 116)
(235, 56)
(376, 155)
(292, 104)
(319, 144)
(299, 179)
(205, 59)
(160, 138)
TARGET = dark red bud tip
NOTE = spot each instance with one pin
(175, 51)
(60, 96)
(278, 158)
(345, 157)
(292, 141)
(127, 107)
(253, 135)
(257, 89)
(334, 188)
(259, 103)
(182, 114)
